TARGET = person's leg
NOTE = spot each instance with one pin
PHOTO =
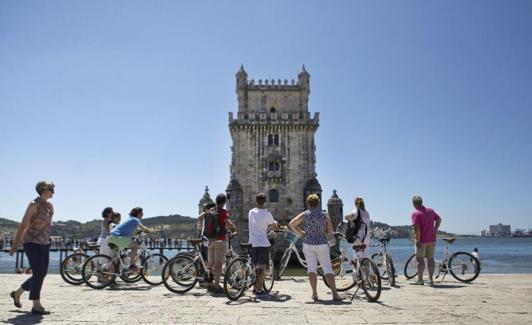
(430, 260)
(420, 256)
(263, 255)
(38, 259)
(324, 258)
(312, 268)
(133, 258)
(219, 257)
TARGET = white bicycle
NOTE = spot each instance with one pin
(292, 238)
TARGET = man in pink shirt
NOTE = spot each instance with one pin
(426, 223)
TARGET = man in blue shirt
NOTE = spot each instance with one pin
(122, 235)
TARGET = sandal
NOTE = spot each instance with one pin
(17, 304)
(339, 298)
(418, 283)
(40, 311)
(314, 297)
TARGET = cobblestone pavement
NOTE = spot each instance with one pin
(497, 299)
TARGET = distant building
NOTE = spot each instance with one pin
(500, 230)
(484, 233)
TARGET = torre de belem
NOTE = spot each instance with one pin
(273, 149)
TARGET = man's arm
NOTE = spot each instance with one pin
(437, 226)
(143, 228)
(294, 224)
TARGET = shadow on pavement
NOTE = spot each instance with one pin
(24, 317)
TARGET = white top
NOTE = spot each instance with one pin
(259, 220)
(366, 225)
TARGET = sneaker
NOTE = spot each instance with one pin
(430, 283)
(418, 283)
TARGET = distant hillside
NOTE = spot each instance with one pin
(404, 231)
(166, 226)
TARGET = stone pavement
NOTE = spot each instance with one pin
(496, 299)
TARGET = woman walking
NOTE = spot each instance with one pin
(34, 234)
(317, 227)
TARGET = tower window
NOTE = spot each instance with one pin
(273, 139)
(273, 196)
(274, 166)
(272, 110)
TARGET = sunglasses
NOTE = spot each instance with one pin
(51, 190)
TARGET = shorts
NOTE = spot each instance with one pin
(426, 250)
(315, 254)
(120, 242)
(216, 252)
(260, 256)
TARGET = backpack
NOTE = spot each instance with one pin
(353, 227)
(213, 228)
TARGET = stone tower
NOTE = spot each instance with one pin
(273, 147)
(206, 199)
(335, 209)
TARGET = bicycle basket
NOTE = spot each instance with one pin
(291, 237)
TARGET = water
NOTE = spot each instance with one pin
(498, 255)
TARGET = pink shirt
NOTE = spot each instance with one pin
(425, 218)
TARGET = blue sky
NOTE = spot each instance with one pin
(125, 103)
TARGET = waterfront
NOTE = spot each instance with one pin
(498, 255)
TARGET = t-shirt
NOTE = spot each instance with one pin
(223, 215)
(425, 218)
(126, 228)
(259, 220)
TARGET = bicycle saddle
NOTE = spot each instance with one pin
(359, 247)
(449, 240)
(245, 245)
(194, 241)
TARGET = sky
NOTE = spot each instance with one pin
(125, 103)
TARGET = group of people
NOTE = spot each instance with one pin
(313, 225)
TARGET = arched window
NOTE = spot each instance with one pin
(272, 110)
(273, 196)
(273, 139)
(274, 166)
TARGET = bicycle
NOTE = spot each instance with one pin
(463, 266)
(70, 267)
(356, 271)
(240, 275)
(181, 273)
(292, 238)
(104, 269)
(382, 259)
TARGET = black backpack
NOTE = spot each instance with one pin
(353, 227)
(213, 228)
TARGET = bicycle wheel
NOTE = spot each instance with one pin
(378, 259)
(99, 271)
(283, 263)
(371, 279)
(179, 274)
(390, 270)
(236, 278)
(343, 275)
(269, 277)
(152, 269)
(464, 267)
(411, 267)
(71, 266)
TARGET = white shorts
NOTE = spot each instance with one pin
(315, 254)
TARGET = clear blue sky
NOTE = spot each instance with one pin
(125, 103)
